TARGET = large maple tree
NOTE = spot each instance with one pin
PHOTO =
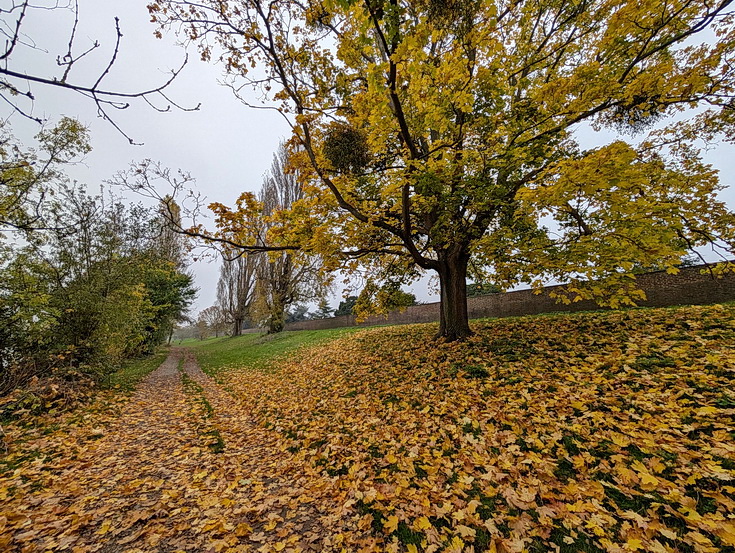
(442, 133)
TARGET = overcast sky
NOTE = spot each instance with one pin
(224, 145)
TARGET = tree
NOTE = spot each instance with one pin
(235, 290)
(254, 227)
(83, 301)
(169, 276)
(215, 319)
(117, 293)
(346, 306)
(482, 289)
(89, 280)
(323, 310)
(242, 225)
(29, 178)
(297, 313)
(288, 276)
(171, 245)
(171, 291)
(382, 299)
(432, 132)
(28, 319)
(202, 331)
(17, 83)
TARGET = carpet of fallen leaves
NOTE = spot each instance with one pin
(609, 432)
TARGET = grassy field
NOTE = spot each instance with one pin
(257, 351)
(592, 432)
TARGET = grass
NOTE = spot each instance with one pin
(132, 372)
(258, 351)
(204, 414)
(193, 341)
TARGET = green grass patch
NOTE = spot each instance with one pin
(258, 351)
(205, 425)
(9, 463)
(192, 341)
(133, 371)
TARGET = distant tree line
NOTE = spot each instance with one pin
(214, 322)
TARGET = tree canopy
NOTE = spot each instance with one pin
(346, 306)
(89, 281)
(429, 133)
(284, 277)
(30, 177)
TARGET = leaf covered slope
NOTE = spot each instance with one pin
(593, 432)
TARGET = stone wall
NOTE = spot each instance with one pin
(689, 287)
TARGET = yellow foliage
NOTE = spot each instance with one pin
(458, 125)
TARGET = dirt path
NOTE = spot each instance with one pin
(152, 481)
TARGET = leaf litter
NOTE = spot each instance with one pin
(606, 432)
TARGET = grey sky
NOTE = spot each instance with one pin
(224, 145)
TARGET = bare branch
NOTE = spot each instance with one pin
(13, 78)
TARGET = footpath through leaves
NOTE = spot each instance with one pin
(608, 432)
(180, 468)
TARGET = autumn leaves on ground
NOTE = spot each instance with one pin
(591, 432)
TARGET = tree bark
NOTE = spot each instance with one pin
(277, 320)
(237, 328)
(454, 321)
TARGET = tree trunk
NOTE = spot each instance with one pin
(237, 328)
(454, 322)
(277, 320)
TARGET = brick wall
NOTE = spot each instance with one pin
(689, 287)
